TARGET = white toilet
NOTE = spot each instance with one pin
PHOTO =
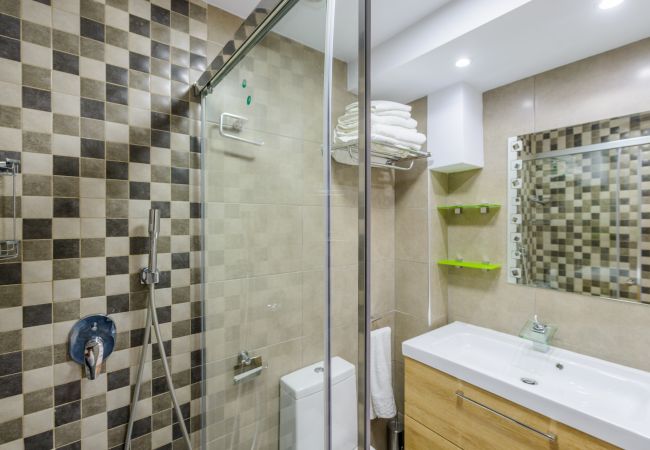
(302, 406)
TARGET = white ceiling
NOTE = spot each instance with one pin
(416, 42)
(535, 37)
(240, 8)
(305, 22)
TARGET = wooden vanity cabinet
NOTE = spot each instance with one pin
(443, 412)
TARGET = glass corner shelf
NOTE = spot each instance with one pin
(483, 208)
(469, 264)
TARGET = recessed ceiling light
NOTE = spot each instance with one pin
(463, 62)
(608, 4)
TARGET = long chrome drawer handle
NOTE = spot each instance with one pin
(550, 436)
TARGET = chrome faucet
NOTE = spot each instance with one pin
(539, 333)
(539, 327)
(94, 357)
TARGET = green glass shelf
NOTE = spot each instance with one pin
(469, 264)
(458, 209)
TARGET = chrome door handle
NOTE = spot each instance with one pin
(237, 124)
(549, 436)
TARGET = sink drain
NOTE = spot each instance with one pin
(529, 381)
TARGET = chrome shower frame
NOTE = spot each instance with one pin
(364, 315)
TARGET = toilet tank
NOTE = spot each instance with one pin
(302, 407)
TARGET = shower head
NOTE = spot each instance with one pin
(154, 222)
(154, 231)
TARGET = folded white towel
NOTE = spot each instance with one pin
(381, 105)
(346, 138)
(393, 113)
(410, 136)
(349, 121)
(381, 377)
(405, 135)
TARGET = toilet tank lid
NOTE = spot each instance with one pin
(309, 380)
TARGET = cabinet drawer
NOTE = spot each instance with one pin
(419, 437)
(473, 418)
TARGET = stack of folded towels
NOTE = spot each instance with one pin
(393, 130)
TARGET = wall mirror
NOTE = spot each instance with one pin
(578, 218)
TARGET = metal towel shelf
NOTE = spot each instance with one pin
(391, 161)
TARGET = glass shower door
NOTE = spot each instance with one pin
(266, 199)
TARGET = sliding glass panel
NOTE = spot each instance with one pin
(266, 240)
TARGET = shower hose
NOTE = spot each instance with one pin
(152, 318)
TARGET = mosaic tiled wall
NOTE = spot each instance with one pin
(583, 223)
(95, 103)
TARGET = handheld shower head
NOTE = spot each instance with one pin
(154, 231)
(154, 222)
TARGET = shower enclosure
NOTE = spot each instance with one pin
(284, 285)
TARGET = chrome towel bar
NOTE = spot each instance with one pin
(236, 123)
(248, 367)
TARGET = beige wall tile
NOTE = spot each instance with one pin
(607, 85)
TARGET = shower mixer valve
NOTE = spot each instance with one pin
(91, 341)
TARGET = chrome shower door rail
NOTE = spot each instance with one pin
(364, 205)
(327, 209)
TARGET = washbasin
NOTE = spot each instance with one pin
(603, 399)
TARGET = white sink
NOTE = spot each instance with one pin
(606, 400)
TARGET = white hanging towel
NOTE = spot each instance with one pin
(381, 378)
